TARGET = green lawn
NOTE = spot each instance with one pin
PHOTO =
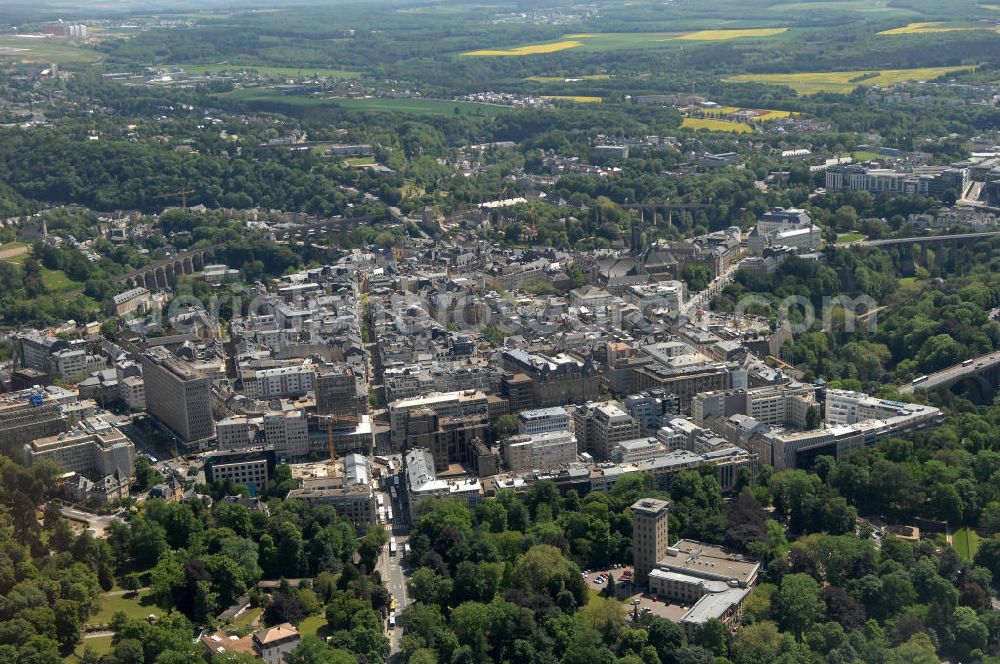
(844, 238)
(56, 281)
(248, 616)
(139, 606)
(966, 542)
(865, 155)
(312, 625)
(267, 70)
(99, 644)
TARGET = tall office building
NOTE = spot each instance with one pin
(178, 395)
(649, 535)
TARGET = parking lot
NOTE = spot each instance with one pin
(665, 609)
(646, 603)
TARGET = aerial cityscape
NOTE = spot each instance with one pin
(418, 331)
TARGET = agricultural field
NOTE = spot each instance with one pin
(580, 99)
(932, 28)
(264, 97)
(712, 124)
(609, 41)
(762, 114)
(267, 70)
(530, 49)
(845, 82)
(569, 79)
(726, 35)
(860, 6)
(25, 49)
(420, 106)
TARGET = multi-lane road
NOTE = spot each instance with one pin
(392, 566)
(953, 374)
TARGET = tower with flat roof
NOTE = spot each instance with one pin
(649, 535)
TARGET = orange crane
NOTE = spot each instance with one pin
(183, 194)
(350, 419)
(329, 440)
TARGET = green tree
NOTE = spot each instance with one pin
(797, 603)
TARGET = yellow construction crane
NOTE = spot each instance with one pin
(182, 194)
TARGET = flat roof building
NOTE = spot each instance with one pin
(27, 415)
(178, 395)
(93, 448)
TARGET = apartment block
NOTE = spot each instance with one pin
(599, 427)
(652, 408)
(687, 381)
(542, 420)
(550, 449)
(344, 484)
(449, 404)
(253, 467)
(555, 380)
(287, 432)
(132, 391)
(236, 432)
(776, 406)
(422, 481)
(639, 449)
(337, 392)
(27, 415)
(278, 382)
(93, 448)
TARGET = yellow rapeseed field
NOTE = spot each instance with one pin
(723, 35)
(530, 49)
(762, 113)
(716, 125)
(606, 41)
(844, 82)
(928, 28)
(773, 115)
(580, 99)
